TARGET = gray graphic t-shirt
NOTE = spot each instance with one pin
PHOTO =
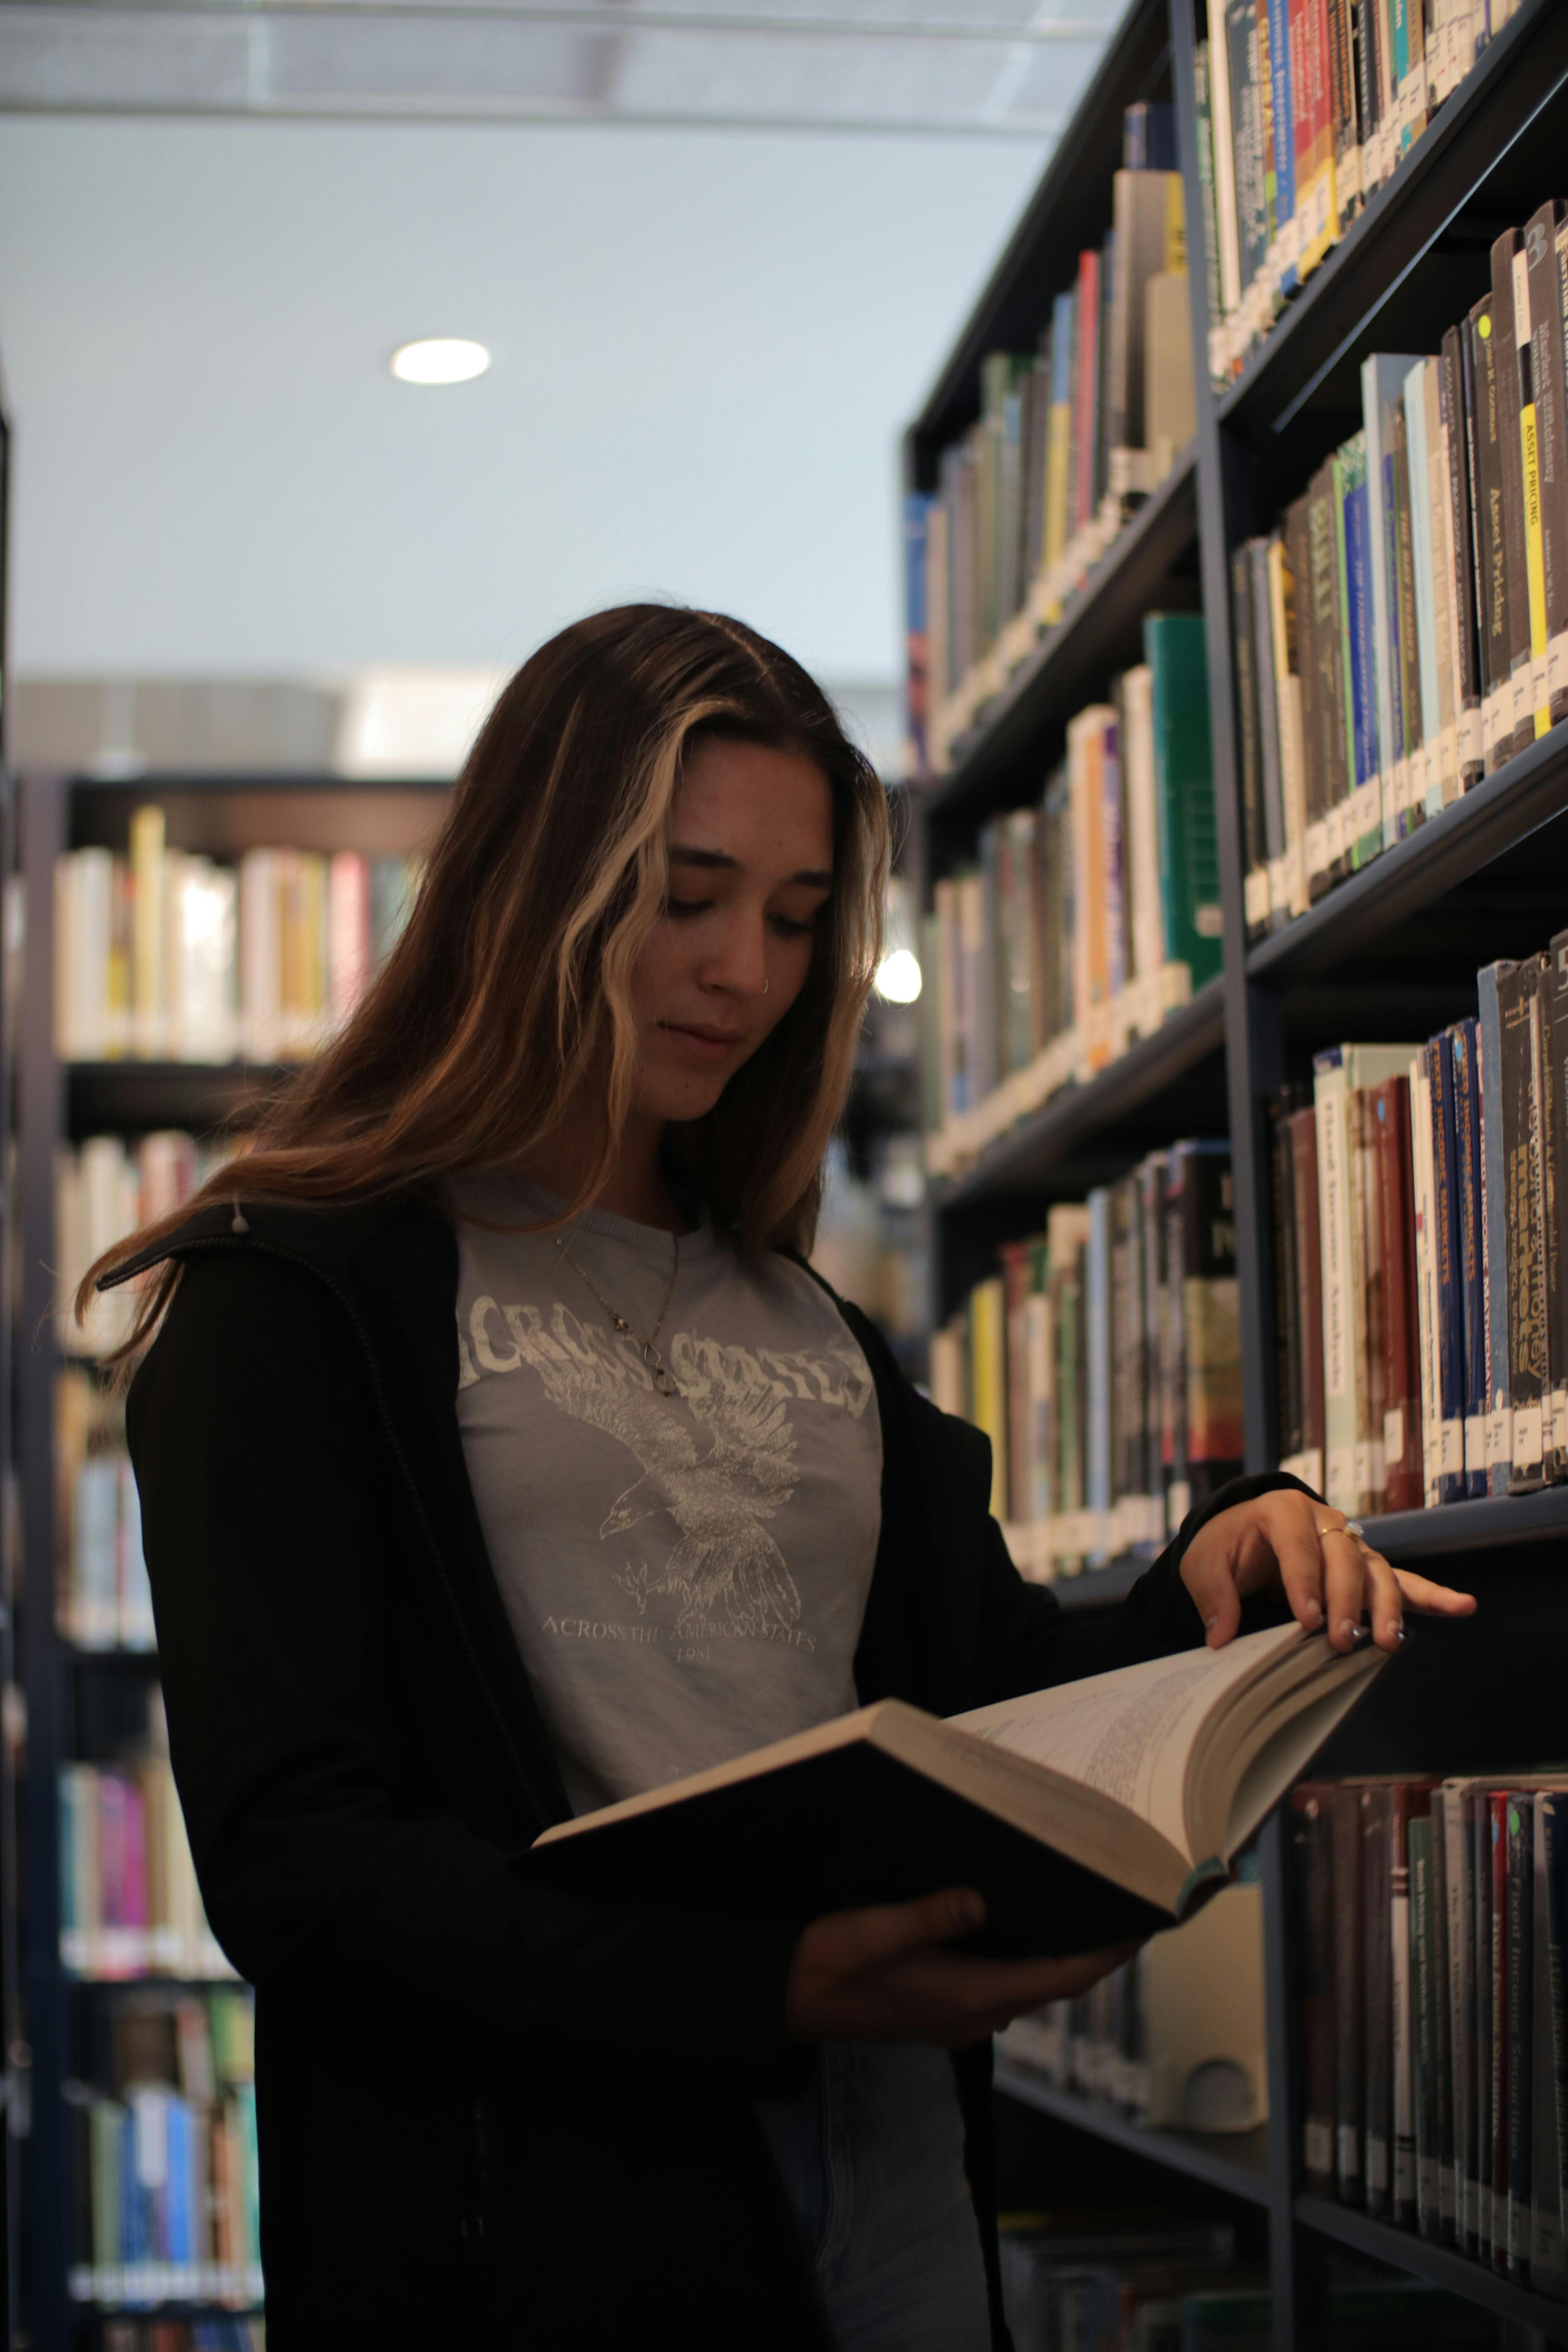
(686, 1575)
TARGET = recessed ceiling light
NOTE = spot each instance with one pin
(440, 359)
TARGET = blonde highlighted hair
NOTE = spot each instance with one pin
(508, 997)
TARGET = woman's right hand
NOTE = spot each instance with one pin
(889, 1974)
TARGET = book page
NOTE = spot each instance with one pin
(1130, 1733)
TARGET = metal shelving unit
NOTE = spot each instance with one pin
(1393, 952)
(67, 1687)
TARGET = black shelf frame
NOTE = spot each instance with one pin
(55, 1104)
(1384, 947)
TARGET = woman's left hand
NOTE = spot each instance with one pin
(1332, 1576)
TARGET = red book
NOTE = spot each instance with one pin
(1086, 393)
(1309, 1277)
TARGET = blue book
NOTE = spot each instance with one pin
(918, 505)
(1464, 1041)
(1284, 129)
(1494, 1231)
(1097, 1278)
(1363, 662)
(180, 2214)
(1448, 1340)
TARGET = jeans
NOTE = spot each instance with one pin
(872, 2161)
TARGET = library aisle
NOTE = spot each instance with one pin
(1208, 1117)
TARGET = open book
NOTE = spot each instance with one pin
(1085, 1814)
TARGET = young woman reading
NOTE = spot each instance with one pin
(499, 1457)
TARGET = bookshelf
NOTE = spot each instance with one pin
(85, 1703)
(1390, 952)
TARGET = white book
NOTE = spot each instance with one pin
(260, 958)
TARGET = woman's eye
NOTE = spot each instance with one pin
(679, 906)
(790, 929)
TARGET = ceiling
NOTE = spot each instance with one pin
(1007, 67)
(706, 337)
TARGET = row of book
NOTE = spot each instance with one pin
(130, 1905)
(1174, 2037)
(1419, 1206)
(1103, 1363)
(102, 1598)
(1087, 2283)
(1099, 2284)
(1069, 436)
(164, 2205)
(1090, 915)
(171, 2212)
(169, 957)
(106, 1188)
(1305, 107)
(216, 2333)
(1434, 2074)
(1404, 630)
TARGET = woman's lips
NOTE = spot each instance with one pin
(709, 1045)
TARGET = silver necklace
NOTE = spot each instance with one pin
(664, 1380)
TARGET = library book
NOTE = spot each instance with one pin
(1085, 1814)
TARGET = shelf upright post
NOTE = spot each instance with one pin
(1253, 1046)
(40, 1112)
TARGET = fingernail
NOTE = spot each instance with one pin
(1348, 1629)
(1311, 1614)
(1360, 1636)
(1400, 1630)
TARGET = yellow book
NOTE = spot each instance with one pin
(988, 1380)
(147, 928)
(1534, 556)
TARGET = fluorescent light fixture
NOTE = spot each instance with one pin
(899, 978)
(440, 359)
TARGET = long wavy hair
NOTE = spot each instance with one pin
(507, 998)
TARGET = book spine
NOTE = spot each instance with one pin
(1554, 991)
(1441, 2021)
(1402, 1381)
(1404, 2053)
(1496, 1810)
(1551, 2063)
(1424, 2026)
(1461, 2010)
(1542, 235)
(1286, 1317)
(1496, 620)
(1248, 742)
(1512, 473)
(1425, 1282)
(1494, 1221)
(1456, 436)
(1413, 811)
(1521, 2009)
(1449, 1329)
(1464, 1049)
(1547, 2272)
(1516, 1007)
(1334, 1205)
(1477, 1819)
(1313, 1823)
(1310, 1263)
(1350, 2005)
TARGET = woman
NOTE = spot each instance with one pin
(655, 1497)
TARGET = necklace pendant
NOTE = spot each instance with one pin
(621, 1323)
(664, 1382)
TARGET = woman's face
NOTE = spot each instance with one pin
(750, 867)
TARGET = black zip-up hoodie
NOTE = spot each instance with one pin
(490, 2112)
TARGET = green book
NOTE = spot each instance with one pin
(1183, 792)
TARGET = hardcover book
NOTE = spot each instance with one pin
(1096, 1811)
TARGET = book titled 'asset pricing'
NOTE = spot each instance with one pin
(1085, 1814)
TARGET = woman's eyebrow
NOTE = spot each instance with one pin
(686, 854)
